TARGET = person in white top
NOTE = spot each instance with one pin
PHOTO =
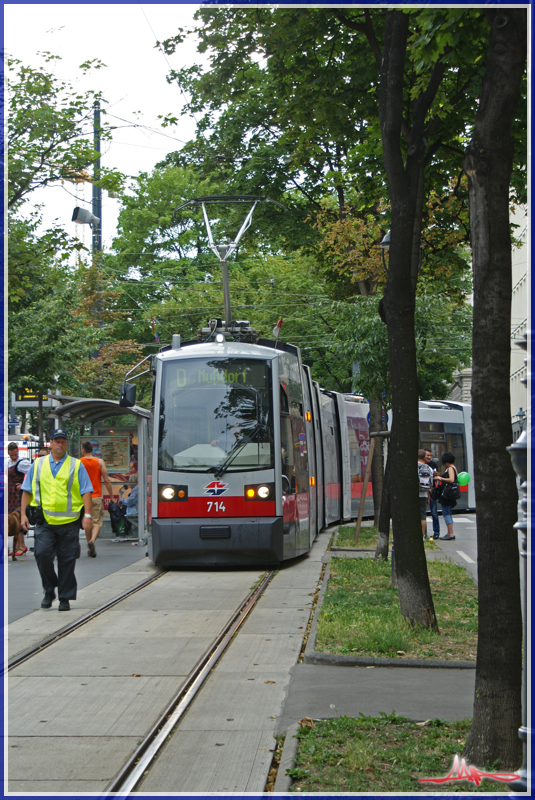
(425, 484)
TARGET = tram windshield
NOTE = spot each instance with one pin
(215, 415)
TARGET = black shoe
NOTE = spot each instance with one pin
(47, 601)
(91, 550)
(64, 605)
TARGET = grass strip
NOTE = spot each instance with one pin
(376, 755)
(345, 537)
(360, 613)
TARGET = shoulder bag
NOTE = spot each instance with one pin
(450, 493)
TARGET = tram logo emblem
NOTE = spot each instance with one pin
(216, 488)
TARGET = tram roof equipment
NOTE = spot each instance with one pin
(222, 251)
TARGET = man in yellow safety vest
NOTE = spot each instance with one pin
(57, 488)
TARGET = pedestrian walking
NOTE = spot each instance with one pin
(433, 504)
(96, 469)
(16, 467)
(56, 492)
(425, 484)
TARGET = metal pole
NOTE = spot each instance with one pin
(141, 482)
(97, 191)
(226, 291)
(519, 457)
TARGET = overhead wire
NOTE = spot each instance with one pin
(131, 124)
(168, 65)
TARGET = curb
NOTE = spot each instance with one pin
(283, 781)
(333, 660)
(312, 656)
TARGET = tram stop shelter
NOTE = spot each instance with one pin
(87, 411)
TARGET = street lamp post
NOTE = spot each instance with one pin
(384, 244)
(519, 457)
(521, 416)
(93, 218)
(96, 203)
(385, 247)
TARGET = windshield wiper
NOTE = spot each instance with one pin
(238, 447)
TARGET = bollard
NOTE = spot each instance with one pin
(519, 456)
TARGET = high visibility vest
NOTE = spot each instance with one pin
(59, 497)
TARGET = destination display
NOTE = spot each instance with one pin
(198, 373)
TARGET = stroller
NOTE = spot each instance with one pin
(120, 524)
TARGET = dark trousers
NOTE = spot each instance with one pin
(61, 542)
(433, 508)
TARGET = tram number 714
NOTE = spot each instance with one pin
(217, 506)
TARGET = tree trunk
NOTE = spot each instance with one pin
(404, 181)
(488, 164)
(376, 417)
(383, 527)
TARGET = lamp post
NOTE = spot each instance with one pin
(93, 218)
(519, 457)
(96, 203)
(384, 244)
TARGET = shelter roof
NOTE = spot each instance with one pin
(91, 409)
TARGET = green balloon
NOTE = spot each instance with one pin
(463, 478)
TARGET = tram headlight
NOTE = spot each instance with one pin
(260, 491)
(172, 494)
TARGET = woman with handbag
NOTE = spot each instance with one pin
(449, 494)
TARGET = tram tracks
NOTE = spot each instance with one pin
(38, 647)
(145, 752)
(139, 762)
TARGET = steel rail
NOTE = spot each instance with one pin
(20, 658)
(134, 769)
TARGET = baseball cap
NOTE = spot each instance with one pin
(59, 432)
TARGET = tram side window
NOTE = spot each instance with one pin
(354, 457)
(293, 445)
(436, 437)
(455, 445)
(432, 437)
(287, 451)
(329, 443)
(299, 441)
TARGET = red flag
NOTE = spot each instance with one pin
(277, 329)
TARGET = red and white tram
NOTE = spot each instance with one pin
(250, 458)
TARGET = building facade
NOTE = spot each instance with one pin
(462, 387)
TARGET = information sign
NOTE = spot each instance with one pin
(115, 450)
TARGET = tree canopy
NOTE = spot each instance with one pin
(49, 130)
